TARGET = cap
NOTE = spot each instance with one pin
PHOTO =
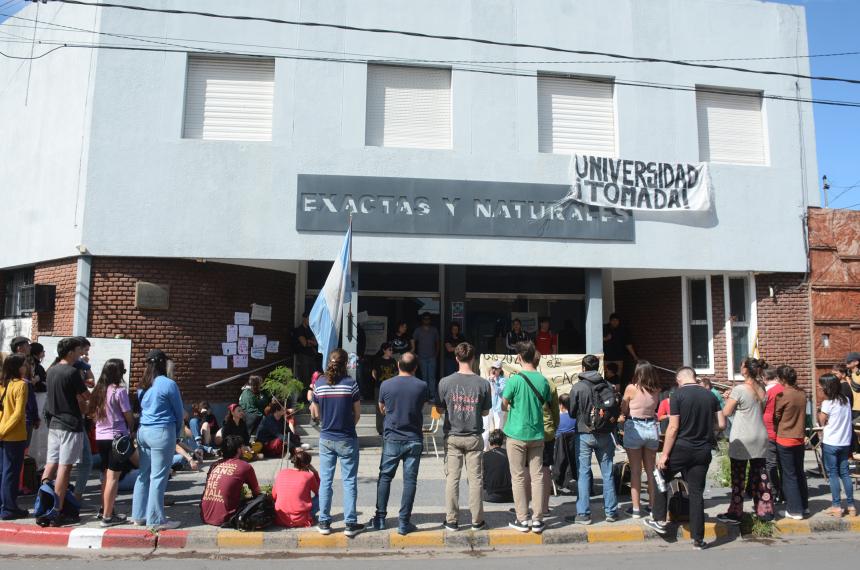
(18, 340)
(155, 354)
(497, 364)
(852, 356)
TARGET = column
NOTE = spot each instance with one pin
(594, 311)
(80, 325)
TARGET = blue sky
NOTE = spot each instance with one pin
(832, 27)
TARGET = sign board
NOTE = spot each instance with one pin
(10, 328)
(151, 296)
(261, 312)
(452, 207)
(562, 369)
(375, 333)
(102, 350)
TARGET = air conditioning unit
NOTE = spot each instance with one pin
(37, 298)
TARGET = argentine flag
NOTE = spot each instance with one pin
(327, 312)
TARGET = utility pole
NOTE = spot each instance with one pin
(826, 187)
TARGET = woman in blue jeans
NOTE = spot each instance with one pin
(835, 416)
(161, 418)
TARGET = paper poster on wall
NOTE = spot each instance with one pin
(242, 346)
(259, 341)
(273, 346)
(246, 331)
(258, 353)
(261, 312)
(229, 348)
(240, 361)
(232, 333)
(241, 318)
(528, 320)
(219, 362)
(375, 332)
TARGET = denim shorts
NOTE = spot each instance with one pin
(640, 433)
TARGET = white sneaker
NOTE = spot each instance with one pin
(168, 525)
(788, 515)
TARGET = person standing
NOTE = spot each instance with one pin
(835, 416)
(852, 365)
(384, 367)
(254, 401)
(546, 342)
(401, 341)
(773, 388)
(454, 338)
(594, 405)
(337, 402)
(617, 344)
(305, 349)
(693, 414)
(641, 436)
(401, 401)
(13, 433)
(789, 417)
(161, 422)
(748, 444)
(427, 347)
(497, 416)
(526, 395)
(515, 336)
(67, 396)
(464, 398)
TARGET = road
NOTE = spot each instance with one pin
(794, 553)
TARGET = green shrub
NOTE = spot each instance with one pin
(758, 528)
(283, 386)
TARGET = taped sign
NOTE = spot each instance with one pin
(562, 369)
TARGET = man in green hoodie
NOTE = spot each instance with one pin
(254, 401)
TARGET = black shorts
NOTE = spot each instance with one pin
(549, 452)
(110, 459)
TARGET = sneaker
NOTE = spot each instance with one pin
(479, 526)
(405, 529)
(353, 529)
(657, 526)
(324, 527)
(807, 512)
(729, 518)
(538, 527)
(168, 525)
(113, 520)
(65, 520)
(637, 513)
(101, 513)
(376, 523)
(452, 526)
(699, 545)
(611, 518)
(788, 515)
(579, 519)
(520, 526)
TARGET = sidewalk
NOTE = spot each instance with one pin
(185, 489)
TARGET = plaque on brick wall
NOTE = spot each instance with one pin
(151, 296)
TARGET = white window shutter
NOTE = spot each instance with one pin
(731, 128)
(229, 98)
(408, 107)
(575, 116)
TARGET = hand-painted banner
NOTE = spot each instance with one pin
(562, 369)
(637, 185)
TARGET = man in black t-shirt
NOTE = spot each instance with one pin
(693, 413)
(617, 343)
(305, 351)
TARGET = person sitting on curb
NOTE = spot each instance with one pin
(222, 496)
(294, 506)
(497, 471)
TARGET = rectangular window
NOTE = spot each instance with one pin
(731, 127)
(408, 107)
(19, 291)
(576, 116)
(739, 319)
(229, 99)
(699, 318)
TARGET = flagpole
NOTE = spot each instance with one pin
(349, 324)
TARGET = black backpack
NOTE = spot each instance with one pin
(256, 514)
(604, 410)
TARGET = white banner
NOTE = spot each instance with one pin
(637, 185)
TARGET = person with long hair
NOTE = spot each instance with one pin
(296, 492)
(234, 424)
(222, 496)
(641, 434)
(110, 407)
(161, 420)
(402, 341)
(748, 443)
(203, 426)
(13, 433)
(274, 430)
(835, 415)
(338, 402)
(789, 418)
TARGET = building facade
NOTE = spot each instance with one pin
(229, 178)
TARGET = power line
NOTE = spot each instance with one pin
(483, 41)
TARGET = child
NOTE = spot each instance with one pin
(294, 506)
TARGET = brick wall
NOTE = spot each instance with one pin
(203, 299)
(63, 274)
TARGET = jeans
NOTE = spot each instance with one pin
(11, 461)
(772, 464)
(347, 451)
(794, 486)
(428, 374)
(392, 453)
(692, 464)
(156, 445)
(83, 468)
(603, 447)
(195, 424)
(836, 462)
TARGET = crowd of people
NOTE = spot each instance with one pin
(517, 438)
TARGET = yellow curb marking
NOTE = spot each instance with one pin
(616, 534)
(503, 537)
(422, 538)
(854, 524)
(789, 526)
(236, 539)
(712, 530)
(316, 540)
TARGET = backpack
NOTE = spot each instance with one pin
(679, 501)
(604, 413)
(46, 498)
(256, 514)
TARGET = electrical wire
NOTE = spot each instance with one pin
(483, 41)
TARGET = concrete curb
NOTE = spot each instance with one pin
(308, 540)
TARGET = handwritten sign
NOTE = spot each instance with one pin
(219, 362)
(258, 353)
(562, 369)
(261, 312)
(273, 346)
(246, 331)
(232, 333)
(241, 318)
(240, 361)
(243, 346)
(259, 341)
(228, 348)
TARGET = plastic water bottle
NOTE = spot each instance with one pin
(659, 481)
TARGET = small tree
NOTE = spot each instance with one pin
(283, 386)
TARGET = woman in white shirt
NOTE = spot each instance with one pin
(835, 416)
